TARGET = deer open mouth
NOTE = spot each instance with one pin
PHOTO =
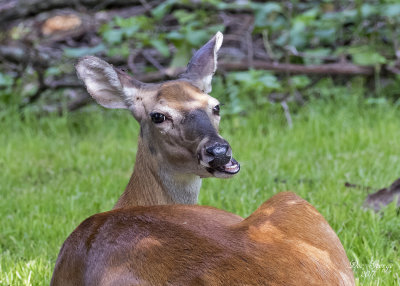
(231, 168)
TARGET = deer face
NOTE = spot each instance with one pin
(180, 127)
(178, 119)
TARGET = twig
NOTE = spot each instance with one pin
(41, 88)
(287, 114)
(145, 5)
(267, 45)
(351, 185)
(153, 61)
(131, 62)
(64, 84)
(249, 40)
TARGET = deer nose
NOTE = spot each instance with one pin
(219, 152)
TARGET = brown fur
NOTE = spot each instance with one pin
(284, 242)
(144, 187)
(181, 95)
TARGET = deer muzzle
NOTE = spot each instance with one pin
(217, 158)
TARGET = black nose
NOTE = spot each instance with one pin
(219, 152)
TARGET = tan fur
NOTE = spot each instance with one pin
(284, 242)
(145, 186)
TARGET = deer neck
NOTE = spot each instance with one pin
(154, 183)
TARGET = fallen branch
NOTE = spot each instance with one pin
(15, 9)
(325, 69)
(384, 196)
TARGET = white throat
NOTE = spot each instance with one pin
(182, 188)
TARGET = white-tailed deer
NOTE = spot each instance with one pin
(179, 142)
(284, 242)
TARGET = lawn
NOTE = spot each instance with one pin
(56, 171)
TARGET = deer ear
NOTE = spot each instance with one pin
(104, 83)
(203, 64)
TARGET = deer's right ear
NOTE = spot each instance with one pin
(103, 82)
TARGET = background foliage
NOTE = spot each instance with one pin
(310, 132)
(163, 35)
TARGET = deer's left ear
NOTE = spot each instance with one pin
(203, 64)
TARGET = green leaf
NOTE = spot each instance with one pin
(314, 57)
(391, 10)
(162, 9)
(263, 11)
(53, 71)
(5, 80)
(113, 36)
(130, 31)
(175, 35)
(300, 81)
(368, 58)
(120, 50)
(270, 81)
(326, 34)
(368, 10)
(79, 52)
(308, 16)
(161, 47)
(184, 17)
(197, 38)
(256, 78)
(365, 55)
(181, 56)
(349, 14)
(246, 76)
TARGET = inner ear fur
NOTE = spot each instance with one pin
(104, 83)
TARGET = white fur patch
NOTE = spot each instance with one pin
(219, 37)
(207, 82)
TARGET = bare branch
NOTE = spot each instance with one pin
(153, 61)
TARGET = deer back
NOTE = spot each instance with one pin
(284, 242)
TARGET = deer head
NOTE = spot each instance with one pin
(178, 119)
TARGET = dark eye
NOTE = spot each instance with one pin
(157, 117)
(216, 109)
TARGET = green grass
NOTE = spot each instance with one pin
(57, 171)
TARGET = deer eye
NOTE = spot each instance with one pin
(216, 109)
(157, 118)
